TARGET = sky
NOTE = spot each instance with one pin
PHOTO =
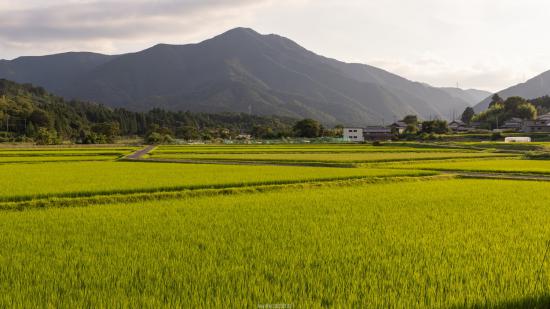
(482, 44)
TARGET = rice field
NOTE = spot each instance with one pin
(314, 148)
(378, 246)
(33, 155)
(387, 232)
(329, 157)
(88, 178)
(494, 166)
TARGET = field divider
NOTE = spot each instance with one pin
(81, 194)
(241, 162)
(347, 164)
(499, 176)
(150, 195)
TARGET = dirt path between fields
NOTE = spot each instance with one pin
(140, 153)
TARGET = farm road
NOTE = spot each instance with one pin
(140, 153)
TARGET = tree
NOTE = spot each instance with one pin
(157, 138)
(46, 137)
(435, 126)
(307, 128)
(262, 132)
(40, 118)
(30, 130)
(411, 119)
(495, 99)
(411, 129)
(187, 132)
(109, 131)
(467, 115)
(526, 111)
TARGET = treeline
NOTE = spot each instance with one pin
(29, 113)
(501, 110)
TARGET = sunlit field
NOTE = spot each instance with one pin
(466, 243)
(500, 166)
(51, 179)
(328, 157)
(392, 231)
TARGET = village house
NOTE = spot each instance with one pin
(514, 124)
(353, 135)
(541, 124)
(377, 133)
(398, 127)
(372, 133)
(458, 126)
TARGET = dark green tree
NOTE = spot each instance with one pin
(307, 128)
(495, 99)
(411, 119)
(467, 115)
(40, 118)
(187, 133)
(435, 126)
(46, 137)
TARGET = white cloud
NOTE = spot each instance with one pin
(36, 28)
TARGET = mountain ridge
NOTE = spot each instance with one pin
(237, 71)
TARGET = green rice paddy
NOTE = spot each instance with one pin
(387, 234)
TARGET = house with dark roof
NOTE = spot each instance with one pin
(458, 126)
(398, 127)
(377, 133)
(514, 124)
(541, 124)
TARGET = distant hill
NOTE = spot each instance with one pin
(536, 87)
(238, 71)
(472, 96)
(24, 109)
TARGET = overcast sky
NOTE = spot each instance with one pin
(485, 44)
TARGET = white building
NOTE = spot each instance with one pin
(517, 139)
(353, 135)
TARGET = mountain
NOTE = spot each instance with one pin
(238, 71)
(472, 96)
(53, 72)
(536, 87)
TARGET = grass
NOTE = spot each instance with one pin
(62, 158)
(221, 235)
(494, 166)
(89, 178)
(328, 157)
(34, 155)
(466, 243)
(324, 148)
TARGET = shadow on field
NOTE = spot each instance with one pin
(527, 302)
